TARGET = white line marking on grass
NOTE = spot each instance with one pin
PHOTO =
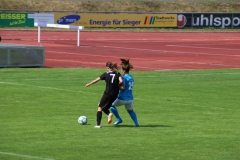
(26, 156)
(43, 87)
(53, 79)
(12, 83)
(59, 89)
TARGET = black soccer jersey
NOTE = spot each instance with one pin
(112, 82)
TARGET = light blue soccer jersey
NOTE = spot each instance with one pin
(128, 82)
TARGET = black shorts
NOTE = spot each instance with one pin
(106, 101)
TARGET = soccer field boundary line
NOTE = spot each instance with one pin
(185, 104)
(26, 156)
(44, 87)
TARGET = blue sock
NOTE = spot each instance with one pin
(134, 117)
(115, 112)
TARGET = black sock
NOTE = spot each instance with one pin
(99, 117)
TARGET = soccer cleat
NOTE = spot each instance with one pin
(110, 118)
(118, 122)
(97, 126)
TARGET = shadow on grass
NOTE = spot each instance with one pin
(141, 126)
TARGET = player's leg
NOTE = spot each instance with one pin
(114, 110)
(110, 115)
(101, 105)
(133, 115)
(106, 108)
(99, 117)
(106, 111)
(116, 114)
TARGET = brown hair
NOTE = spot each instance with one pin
(112, 66)
(126, 66)
(115, 66)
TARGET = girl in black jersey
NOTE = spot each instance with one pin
(112, 79)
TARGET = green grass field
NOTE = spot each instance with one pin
(184, 115)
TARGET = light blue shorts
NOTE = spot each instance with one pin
(128, 104)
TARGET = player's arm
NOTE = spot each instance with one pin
(121, 86)
(92, 82)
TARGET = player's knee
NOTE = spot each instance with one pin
(112, 108)
(129, 111)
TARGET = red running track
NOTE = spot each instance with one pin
(146, 50)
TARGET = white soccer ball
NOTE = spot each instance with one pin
(82, 120)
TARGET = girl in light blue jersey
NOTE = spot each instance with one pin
(125, 96)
